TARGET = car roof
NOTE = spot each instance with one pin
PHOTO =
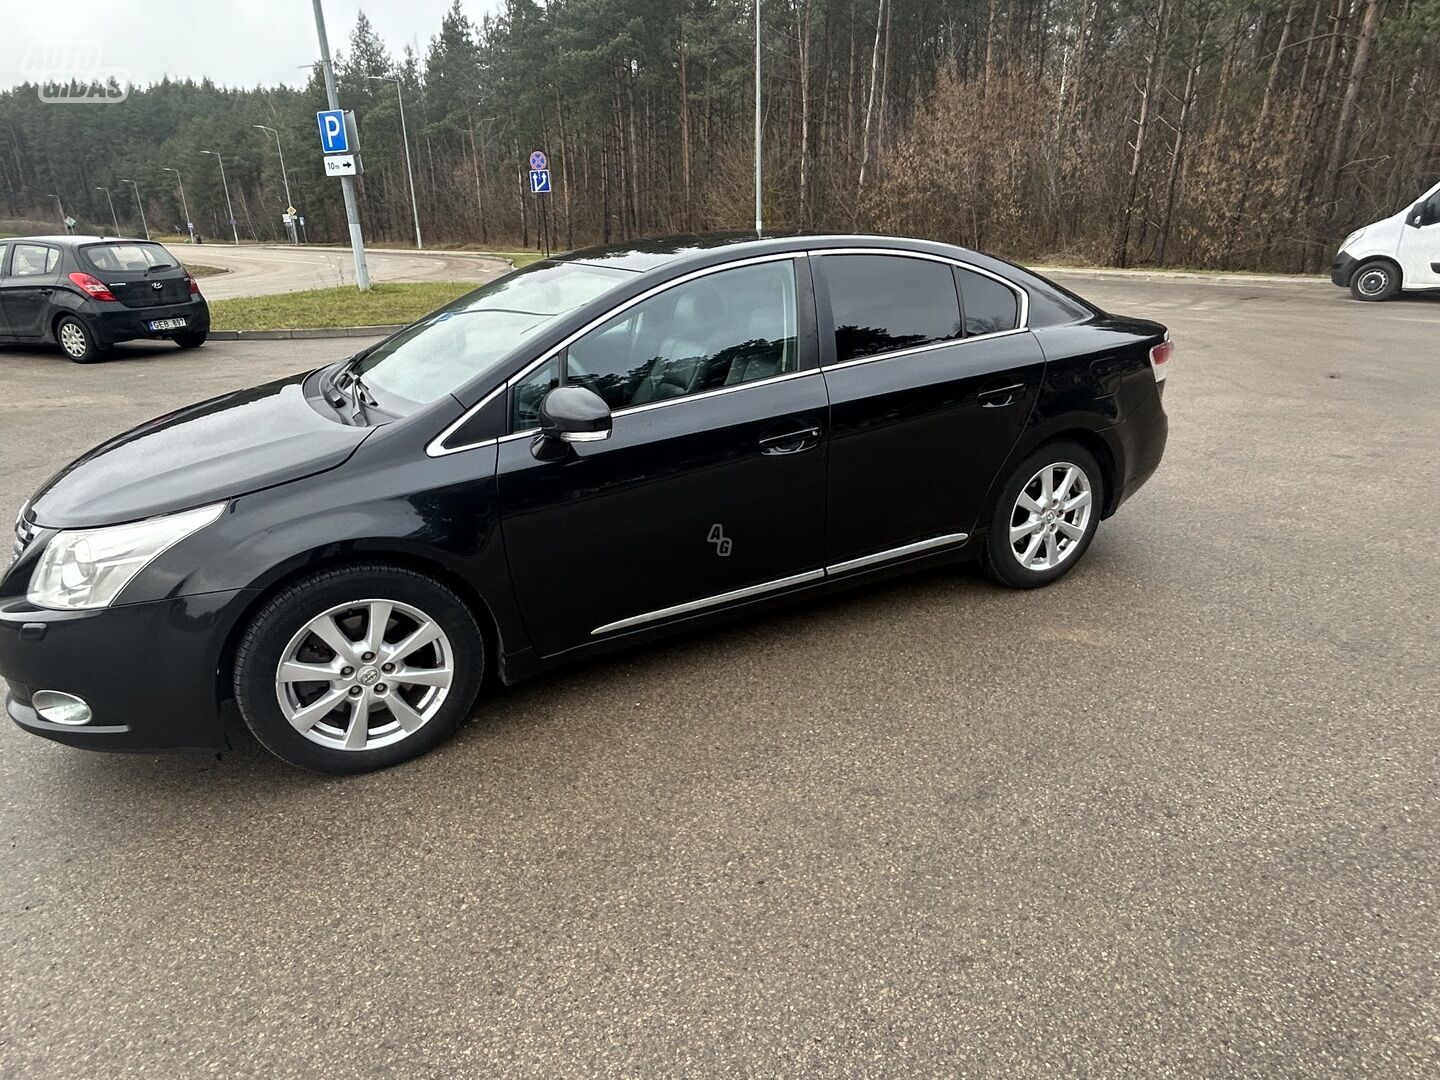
(75, 241)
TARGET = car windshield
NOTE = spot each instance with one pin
(467, 338)
(127, 257)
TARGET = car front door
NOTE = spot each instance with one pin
(5, 331)
(1419, 252)
(927, 397)
(26, 289)
(710, 489)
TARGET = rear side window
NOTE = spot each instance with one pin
(3, 249)
(126, 258)
(32, 260)
(990, 307)
(881, 303)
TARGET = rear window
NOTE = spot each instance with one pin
(128, 257)
(990, 307)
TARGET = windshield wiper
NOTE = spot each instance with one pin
(348, 386)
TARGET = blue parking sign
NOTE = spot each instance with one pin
(539, 181)
(333, 137)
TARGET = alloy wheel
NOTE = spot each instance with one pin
(364, 674)
(1050, 516)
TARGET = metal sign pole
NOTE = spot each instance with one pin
(347, 183)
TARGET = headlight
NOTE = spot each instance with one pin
(87, 568)
(1351, 238)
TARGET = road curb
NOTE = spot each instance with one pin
(305, 333)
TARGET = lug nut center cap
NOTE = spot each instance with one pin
(369, 676)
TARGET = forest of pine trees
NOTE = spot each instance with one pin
(1209, 133)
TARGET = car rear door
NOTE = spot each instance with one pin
(26, 289)
(139, 275)
(5, 331)
(927, 398)
(711, 486)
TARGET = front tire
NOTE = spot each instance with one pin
(1045, 516)
(76, 341)
(190, 341)
(358, 668)
(1374, 281)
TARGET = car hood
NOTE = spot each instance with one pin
(217, 449)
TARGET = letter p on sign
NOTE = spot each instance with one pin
(333, 139)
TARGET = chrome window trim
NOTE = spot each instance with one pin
(1023, 298)
(706, 602)
(436, 446)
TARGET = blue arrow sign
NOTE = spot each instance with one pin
(540, 181)
(333, 137)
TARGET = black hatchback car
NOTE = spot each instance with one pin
(586, 453)
(87, 293)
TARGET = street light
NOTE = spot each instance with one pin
(405, 138)
(184, 207)
(234, 229)
(475, 150)
(61, 205)
(136, 185)
(758, 216)
(113, 219)
(285, 179)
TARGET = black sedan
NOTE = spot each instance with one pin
(87, 293)
(587, 453)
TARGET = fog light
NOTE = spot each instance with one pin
(60, 708)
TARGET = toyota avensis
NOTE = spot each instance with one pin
(589, 452)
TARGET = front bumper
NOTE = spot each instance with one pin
(112, 323)
(149, 672)
(1343, 269)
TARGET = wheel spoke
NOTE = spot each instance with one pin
(1019, 532)
(1031, 548)
(1063, 491)
(1030, 504)
(359, 729)
(1083, 499)
(409, 676)
(1050, 550)
(1047, 485)
(328, 631)
(304, 719)
(423, 635)
(404, 714)
(375, 630)
(295, 671)
(1074, 532)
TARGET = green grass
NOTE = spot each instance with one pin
(385, 304)
(201, 270)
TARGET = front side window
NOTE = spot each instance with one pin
(881, 303)
(33, 260)
(990, 307)
(467, 338)
(723, 329)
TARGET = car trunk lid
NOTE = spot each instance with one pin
(139, 274)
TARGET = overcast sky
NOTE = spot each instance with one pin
(233, 42)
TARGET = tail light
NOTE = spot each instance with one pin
(1160, 356)
(92, 287)
(194, 285)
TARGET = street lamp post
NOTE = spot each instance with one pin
(234, 229)
(113, 219)
(758, 216)
(184, 206)
(475, 149)
(136, 185)
(405, 138)
(284, 178)
(61, 205)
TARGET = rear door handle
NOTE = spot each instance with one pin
(791, 442)
(999, 396)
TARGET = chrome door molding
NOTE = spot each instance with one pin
(705, 603)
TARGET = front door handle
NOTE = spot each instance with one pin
(791, 442)
(999, 396)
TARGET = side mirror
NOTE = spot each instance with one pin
(573, 414)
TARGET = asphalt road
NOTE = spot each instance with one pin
(1175, 816)
(262, 271)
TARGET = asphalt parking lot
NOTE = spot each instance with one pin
(1175, 816)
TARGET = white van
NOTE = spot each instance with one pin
(1398, 252)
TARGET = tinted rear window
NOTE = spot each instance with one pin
(881, 303)
(989, 306)
(126, 257)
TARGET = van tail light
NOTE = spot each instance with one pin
(1160, 358)
(194, 285)
(92, 287)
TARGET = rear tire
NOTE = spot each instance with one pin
(190, 341)
(76, 341)
(1045, 516)
(366, 708)
(1374, 281)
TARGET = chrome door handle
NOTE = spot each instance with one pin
(991, 399)
(791, 442)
